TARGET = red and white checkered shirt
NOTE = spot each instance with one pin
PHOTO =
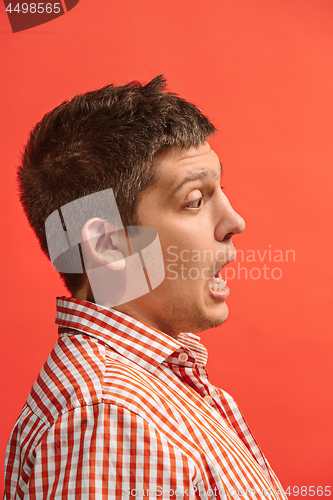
(121, 409)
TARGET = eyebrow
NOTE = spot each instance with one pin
(202, 174)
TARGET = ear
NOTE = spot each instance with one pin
(104, 245)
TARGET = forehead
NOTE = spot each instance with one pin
(177, 166)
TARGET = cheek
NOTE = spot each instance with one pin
(184, 249)
(185, 275)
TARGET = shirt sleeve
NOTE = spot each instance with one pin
(105, 451)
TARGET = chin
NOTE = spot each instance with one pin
(220, 318)
(211, 320)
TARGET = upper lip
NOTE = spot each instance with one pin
(233, 257)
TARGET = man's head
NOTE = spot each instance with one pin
(150, 148)
(110, 138)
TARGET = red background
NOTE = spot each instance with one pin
(262, 71)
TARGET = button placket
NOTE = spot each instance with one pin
(183, 357)
(209, 399)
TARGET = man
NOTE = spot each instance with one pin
(123, 406)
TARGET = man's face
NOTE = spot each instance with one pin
(195, 223)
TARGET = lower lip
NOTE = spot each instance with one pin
(220, 295)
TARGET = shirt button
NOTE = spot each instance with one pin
(183, 357)
(209, 400)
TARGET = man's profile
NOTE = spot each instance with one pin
(123, 406)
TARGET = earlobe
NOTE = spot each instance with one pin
(100, 244)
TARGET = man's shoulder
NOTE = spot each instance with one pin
(72, 376)
(82, 370)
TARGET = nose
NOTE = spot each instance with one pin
(229, 221)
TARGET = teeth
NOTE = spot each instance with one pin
(219, 284)
(222, 284)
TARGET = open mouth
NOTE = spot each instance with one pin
(216, 282)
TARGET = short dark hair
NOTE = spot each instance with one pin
(108, 138)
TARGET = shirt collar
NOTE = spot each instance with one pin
(142, 344)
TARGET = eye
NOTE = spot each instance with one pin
(195, 204)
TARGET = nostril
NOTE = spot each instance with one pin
(228, 236)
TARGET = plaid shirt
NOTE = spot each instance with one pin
(121, 409)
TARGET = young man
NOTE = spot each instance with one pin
(114, 183)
